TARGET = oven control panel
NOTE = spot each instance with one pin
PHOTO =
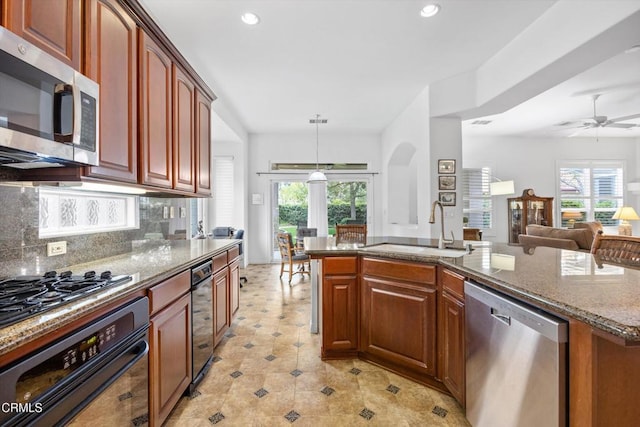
(54, 369)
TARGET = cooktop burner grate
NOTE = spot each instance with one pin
(24, 296)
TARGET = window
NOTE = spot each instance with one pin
(590, 191)
(477, 207)
(223, 191)
(73, 212)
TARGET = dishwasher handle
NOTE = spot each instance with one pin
(505, 307)
(500, 317)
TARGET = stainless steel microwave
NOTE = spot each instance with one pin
(48, 111)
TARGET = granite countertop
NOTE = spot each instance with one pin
(567, 283)
(148, 263)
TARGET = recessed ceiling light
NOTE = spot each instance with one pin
(250, 18)
(430, 10)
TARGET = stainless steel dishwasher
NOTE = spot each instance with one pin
(516, 362)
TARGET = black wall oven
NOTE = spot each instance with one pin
(98, 373)
(202, 321)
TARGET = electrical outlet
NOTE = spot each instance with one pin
(56, 248)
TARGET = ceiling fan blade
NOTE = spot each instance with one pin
(621, 125)
(625, 118)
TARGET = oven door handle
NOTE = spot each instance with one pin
(90, 385)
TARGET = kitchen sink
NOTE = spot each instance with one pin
(416, 250)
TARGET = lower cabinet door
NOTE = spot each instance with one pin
(220, 304)
(453, 347)
(169, 358)
(340, 316)
(399, 324)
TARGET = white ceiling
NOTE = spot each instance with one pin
(359, 63)
(562, 110)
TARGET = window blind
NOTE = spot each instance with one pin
(477, 206)
(590, 190)
(223, 190)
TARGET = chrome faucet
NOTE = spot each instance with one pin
(442, 242)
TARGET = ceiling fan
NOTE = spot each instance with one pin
(603, 121)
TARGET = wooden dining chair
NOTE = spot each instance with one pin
(614, 249)
(290, 258)
(351, 233)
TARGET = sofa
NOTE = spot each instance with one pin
(578, 238)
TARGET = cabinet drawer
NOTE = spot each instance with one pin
(412, 272)
(219, 262)
(340, 265)
(171, 289)
(453, 283)
(233, 253)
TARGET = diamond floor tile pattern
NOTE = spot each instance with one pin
(267, 372)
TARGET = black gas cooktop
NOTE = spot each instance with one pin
(24, 296)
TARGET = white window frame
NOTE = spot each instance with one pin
(485, 177)
(590, 198)
(77, 212)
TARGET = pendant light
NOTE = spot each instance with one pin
(317, 176)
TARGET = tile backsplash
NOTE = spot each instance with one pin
(23, 252)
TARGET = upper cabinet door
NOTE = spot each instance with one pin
(53, 25)
(111, 60)
(183, 131)
(203, 144)
(156, 143)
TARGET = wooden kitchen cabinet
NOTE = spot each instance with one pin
(169, 358)
(452, 333)
(339, 307)
(220, 304)
(398, 316)
(156, 108)
(183, 131)
(111, 60)
(233, 256)
(54, 26)
(604, 372)
(203, 144)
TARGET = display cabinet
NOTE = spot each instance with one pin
(528, 209)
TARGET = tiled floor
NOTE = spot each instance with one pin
(268, 372)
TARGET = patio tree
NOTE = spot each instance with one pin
(353, 192)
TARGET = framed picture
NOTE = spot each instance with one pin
(447, 198)
(446, 182)
(446, 166)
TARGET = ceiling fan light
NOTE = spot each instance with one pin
(430, 10)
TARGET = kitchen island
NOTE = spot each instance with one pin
(602, 306)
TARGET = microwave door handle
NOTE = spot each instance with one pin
(77, 114)
(60, 91)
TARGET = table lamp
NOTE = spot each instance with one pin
(625, 214)
(571, 217)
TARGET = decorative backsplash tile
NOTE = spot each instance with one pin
(24, 213)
